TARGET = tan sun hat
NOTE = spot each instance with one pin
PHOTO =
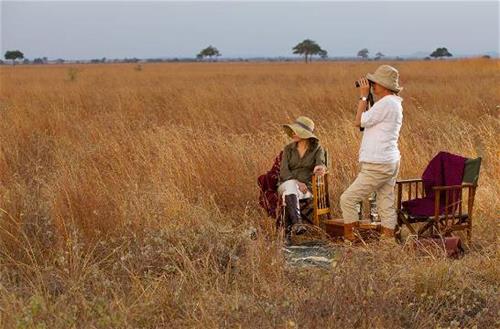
(303, 127)
(386, 76)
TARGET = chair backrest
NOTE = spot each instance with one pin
(321, 197)
(471, 171)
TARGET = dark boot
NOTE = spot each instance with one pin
(292, 213)
(288, 227)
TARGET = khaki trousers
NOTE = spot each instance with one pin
(373, 177)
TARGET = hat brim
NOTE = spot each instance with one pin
(290, 129)
(374, 78)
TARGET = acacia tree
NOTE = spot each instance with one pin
(379, 55)
(363, 53)
(309, 48)
(209, 52)
(13, 55)
(441, 52)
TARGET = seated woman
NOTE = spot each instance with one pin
(301, 159)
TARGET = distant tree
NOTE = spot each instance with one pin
(363, 53)
(379, 55)
(13, 55)
(323, 54)
(441, 52)
(1, 62)
(486, 56)
(45, 60)
(38, 61)
(309, 48)
(209, 52)
(60, 61)
(26, 61)
(131, 60)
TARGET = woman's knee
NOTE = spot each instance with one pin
(288, 187)
(345, 198)
(350, 197)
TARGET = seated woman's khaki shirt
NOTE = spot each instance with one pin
(301, 169)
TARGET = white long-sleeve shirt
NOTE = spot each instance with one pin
(382, 123)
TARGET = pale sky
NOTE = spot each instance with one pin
(145, 29)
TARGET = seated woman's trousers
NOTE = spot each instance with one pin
(291, 186)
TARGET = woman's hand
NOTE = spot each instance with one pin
(302, 187)
(319, 170)
(364, 87)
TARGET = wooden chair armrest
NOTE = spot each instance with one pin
(451, 205)
(407, 181)
(400, 185)
(452, 187)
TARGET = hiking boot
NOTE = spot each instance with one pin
(292, 214)
(299, 230)
(288, 240)
(387, 232)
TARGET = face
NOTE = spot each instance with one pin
(378, 90)
(296, 138)
(375, 88)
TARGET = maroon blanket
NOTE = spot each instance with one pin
(445, 169)
(268, 184)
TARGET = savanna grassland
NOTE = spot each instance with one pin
(127, 194)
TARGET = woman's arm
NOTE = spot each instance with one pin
(364, 90)
(320, 162)
(361, 109)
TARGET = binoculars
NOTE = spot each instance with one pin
(356, 84)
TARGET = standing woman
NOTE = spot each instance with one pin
(379, 153)
(302, 158)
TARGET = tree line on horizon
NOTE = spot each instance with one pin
(306, 48)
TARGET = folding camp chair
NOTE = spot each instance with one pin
(452, 215)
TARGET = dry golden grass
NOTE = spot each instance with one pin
(125, 196)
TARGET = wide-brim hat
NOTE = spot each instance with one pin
(386, 76)
(302, 127)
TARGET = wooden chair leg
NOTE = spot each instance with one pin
(402, 219)
(427, 226)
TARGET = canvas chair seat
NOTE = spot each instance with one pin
(419, 219)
